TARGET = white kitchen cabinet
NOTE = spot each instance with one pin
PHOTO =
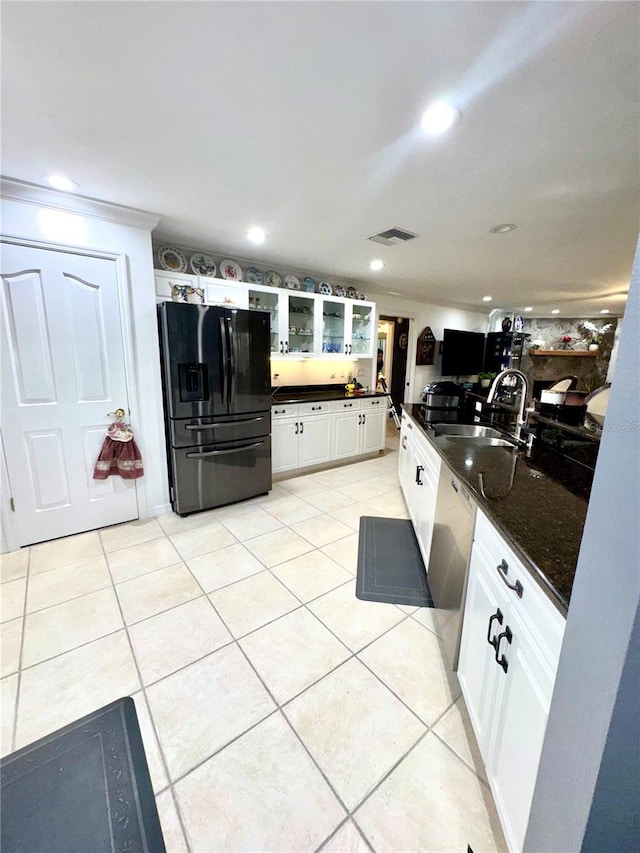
(262, 298)
(423, 497)
(375, 410)
(509, 652)
(319, 432)
(359, 426)
(361, 329)
(418, 472)
(217, 291)
(314, 440)
(284, 444)
(405, 456)
(346, 433)
(300, 436)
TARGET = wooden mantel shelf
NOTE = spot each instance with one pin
(581, 353)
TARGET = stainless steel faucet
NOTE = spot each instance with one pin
(510, 371)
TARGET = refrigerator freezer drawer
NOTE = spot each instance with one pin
(212, 475)
(198, 431)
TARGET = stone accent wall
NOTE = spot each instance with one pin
(591, 372)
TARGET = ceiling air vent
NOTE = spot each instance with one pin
(392, 236)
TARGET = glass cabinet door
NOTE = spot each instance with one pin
(333, 327)
(301, 320)
(361, 329)
(268, 300)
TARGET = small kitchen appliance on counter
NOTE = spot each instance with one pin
(441, 401)
(217, 403)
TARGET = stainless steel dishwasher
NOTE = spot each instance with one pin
(449, 559)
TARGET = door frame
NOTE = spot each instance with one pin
(124, 301)
(410, 371)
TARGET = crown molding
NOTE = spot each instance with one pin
(15, 190)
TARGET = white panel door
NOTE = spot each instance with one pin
(63, 369)
(284, 444)
(374, 428)
(315, 440)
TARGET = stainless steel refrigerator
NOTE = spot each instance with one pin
(217, 402)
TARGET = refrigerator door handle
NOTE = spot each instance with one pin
(206, 453)
(232, 360)
(224, 371)
(225, 424)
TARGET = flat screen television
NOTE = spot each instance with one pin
(462, 352)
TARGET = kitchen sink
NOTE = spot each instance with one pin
(467, 431)
(491, 442)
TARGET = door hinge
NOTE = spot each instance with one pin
(12, 505)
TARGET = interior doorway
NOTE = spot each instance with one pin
(393, 341)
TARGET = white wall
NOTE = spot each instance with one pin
(438, 318)
(49, 217)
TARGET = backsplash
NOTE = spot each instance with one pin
(319, 372)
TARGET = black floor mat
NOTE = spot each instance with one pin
(83, 788)
(390, 565)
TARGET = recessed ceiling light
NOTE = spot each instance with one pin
(59, 182)
(439, 117)
(555, 311)
(503, 228)
(528, 308)
(376, 265)
(487, 298)
(256, 235)
(605, 311)
(393, 293)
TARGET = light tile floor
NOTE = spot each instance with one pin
(278, 711)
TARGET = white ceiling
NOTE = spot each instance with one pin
(303, 117)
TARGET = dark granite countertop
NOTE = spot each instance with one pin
(292, 396)
(538, 502)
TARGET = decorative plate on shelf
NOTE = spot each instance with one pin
(253, 275)
(172, 259)
(292, 282)
(339, 290)
(352, 293)
(230, 270)
(325, 288)
(273, 279)
(362, 296)
(202, 264)
(309, 284)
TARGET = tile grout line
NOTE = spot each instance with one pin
(14, 728)
(151, 718)
(277, 709)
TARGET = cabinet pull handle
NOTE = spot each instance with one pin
(503, 570)
(297, 426)
(364, 419)
(346, 349)
(286, 347)
(301, 427)
(404, 442)
(279, 411)
(492, 640)
(409, 425)
(419, 470)
(281, 348)
(350, 348)
(502, 661)
(316, 408)
(348, 405)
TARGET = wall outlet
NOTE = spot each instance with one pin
(333, 376)
(360, 371)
